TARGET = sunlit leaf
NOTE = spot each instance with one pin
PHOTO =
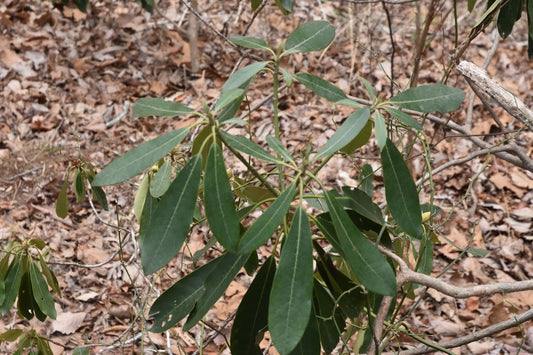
(400, 191)
(263, 228)
(252, 314)
(250, 42)
(311, 36)
(228, 97)
(380, 129)
(404, 118)
(360, 140)
(159, 107)
(139, 158)
(219, 201)
(285, 6)
(345, 133)
(11, 335)
(321, 87)
(243, 75)
(290, 299)
(140, 196)
(161, 180)
(430, 98)
(276, 146)
(172, 217)
(247, 146)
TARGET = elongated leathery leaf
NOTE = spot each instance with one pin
(161, 180)
(215, 285)
(249, 42)
(179, 300)
(219, 202)
(400, 191)
(290, 299)
(252, 314)
(346, 132)
(246, 146)
(430, 98)
(311, 36)
(276, 146)
(329, 319)
(139, 158)
(41, 293)
(310, 342)
(267, 223)
(367, 263)
(321, 87)
(13, 279)
(404, 118)
(172, 217)
(243, 75)
(380, 129)
(159, 107)
(228, 97)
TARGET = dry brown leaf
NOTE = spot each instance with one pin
(68, 322)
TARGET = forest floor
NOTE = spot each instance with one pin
(68, 81)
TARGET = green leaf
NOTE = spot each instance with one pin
(100, 196)
(219, 202)
(243, 75)
(430, 98)
(367, 263)
(79, 186)
(400, 191)
(161, 180)
(172, 217)
(366, 178)
(2, 289)
(329, 320)
(10, 335)
(311, 36)
(425, 257)
(43, 347)
(81, 350)
(256, 4)
(287, 77)
(250, 42)
(285, 6)
(215, 285)
(321, 87)
(62, 200)
(276, 146)
(179, 300)
(81, 5)
(13, 280)
(310, 342)
(361, 203)
(159, 107)
(509, 14)
(360, 140)
(202, 143)
(252, 314)
(369, 89)
(139, 158)
(380, 129)
(229, 111)
(267, 223)
(471, 4)
(247, 146)
(228, 97)
(404, 118)
(50, 277)
(148, 5)
(37, 243)
(140, 196)
(257, 194)
(26, 305)
(42, 295)
(349, 102)
(345, 133)
(290, 299)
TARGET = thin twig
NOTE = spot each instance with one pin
(216, 332)
(14, 177)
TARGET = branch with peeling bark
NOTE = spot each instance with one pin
(406, 275)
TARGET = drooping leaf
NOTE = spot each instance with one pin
(62, 200)
(310, 342)
(43, 347)
(263, 228)
(256, 4)
(243, 75)
(159, 107)
(42, 295)
(79, 186)
(285, 6)
(179, 300)
(509, 14)
(311, 36)
(252, 314)
(100, 196)
(246, 146)
(400, 191)
(380, 129)
(276, 146)
(288, 77)
(161, 180)
(345, 133)
(321, 87)
(215, 285)
(50, 277)
(290, 299)
(11, 335)
(148, 5)
(139, 158)
(404, 118)
(202, 143)
(219, 202)
(360, 202)
(13, 279)
(81, 5)
(366, 180)
(329, 320)
(228, 97)
(140, 196)
(250, 42)
(231, 109)
(2, 289)
(172, 217)
(471, 4)
(430, 98)
(529, 11)
(425, 256)
(26, 305)
(367, 263)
